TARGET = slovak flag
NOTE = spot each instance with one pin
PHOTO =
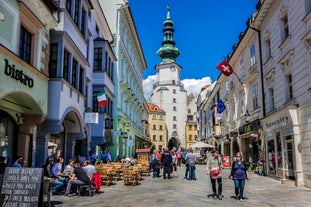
(102, 99)
(225, 68)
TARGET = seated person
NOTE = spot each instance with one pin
(69, 168)
(56, 183)
(89, 168)
(79, 177)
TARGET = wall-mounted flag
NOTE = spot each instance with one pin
(225, 68)
(102, 99)
(220, 106)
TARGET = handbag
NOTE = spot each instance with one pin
(215, 173)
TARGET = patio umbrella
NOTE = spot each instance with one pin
(201, 145)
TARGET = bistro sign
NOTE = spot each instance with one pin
(18, 75)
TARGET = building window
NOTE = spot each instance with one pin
(289, 87)
(255, 96)
(83, 22)
(161, 117)
(174, 118)
(242, 68)
(189, 111)
(174, 108)
(53, 60)
(252, 55)
(271, 97)
(66, 66)
(76, 12)
(174, 100)
(285, 29)
(81, 78)
(308, 6)
(268, 48)
(154, 117)
(154, 127)
(160, 127)
(189, 118)
(161, 138)
(24, 51)
(243, 104)
(154, 138)
(190, 137)
(174, 91)
(174, 126)
(74, 73)
(190, 127)
(98, 58)
(68, 6)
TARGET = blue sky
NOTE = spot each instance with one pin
(205, 31)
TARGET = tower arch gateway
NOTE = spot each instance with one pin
(173, 143)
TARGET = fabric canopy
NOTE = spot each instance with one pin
(201, 145)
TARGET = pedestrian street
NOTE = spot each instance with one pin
(154, 192)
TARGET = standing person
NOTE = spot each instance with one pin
(213, 168)
(159, 156)
(179, 158)
(239, 173)
(174, 163)
(18, 162)
(154, 164)
(166, 160)
(191, 158)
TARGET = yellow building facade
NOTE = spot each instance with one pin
(157, 127)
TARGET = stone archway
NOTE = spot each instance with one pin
(173, 143)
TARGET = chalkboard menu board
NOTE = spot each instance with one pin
(21, 186)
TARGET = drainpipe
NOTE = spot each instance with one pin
(262, 86)
(261, 70)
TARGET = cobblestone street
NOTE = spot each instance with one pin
(153, 192)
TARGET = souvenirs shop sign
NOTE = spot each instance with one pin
(17, 74)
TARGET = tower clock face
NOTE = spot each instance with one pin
(173, 68)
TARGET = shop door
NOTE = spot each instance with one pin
(290, 158)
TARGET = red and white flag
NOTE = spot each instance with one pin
(225, 68)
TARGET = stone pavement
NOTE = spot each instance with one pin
(178, 192)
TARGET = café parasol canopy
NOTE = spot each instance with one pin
(201, 145)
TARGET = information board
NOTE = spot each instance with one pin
(21, 186)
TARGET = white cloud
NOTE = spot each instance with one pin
(194, 86)
(191, 85)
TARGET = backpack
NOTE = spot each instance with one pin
(178, 155)
(167, 159)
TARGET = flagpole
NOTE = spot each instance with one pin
(233, 71)
(238, 78)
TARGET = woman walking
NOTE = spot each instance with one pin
(239, 174)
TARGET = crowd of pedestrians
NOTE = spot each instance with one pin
(169, 162)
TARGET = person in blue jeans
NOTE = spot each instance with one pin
(239, 174)
(191, 158)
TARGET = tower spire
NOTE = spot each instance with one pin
(168, 52)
